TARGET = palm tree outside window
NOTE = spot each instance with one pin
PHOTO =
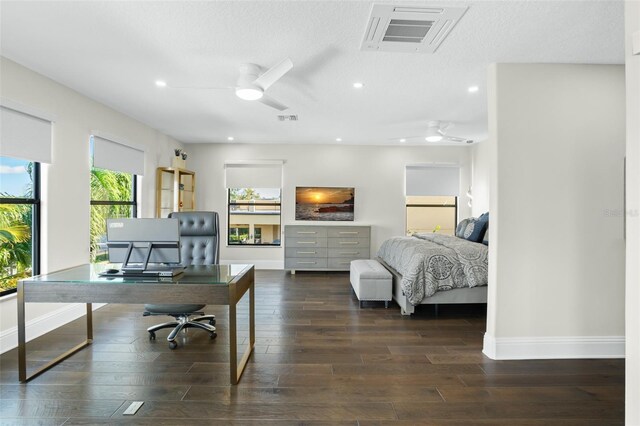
(19, 222)
(113, 195)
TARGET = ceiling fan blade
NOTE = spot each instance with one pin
(272, 103)
(455, 139)
(201, 87)
(273, 74)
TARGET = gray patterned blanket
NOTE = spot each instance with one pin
(433, 262)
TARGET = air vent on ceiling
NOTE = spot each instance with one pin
(288, 118)
(409, 29)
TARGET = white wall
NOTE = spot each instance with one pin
(557, 247)
(376, 172)
(65, 189)
(632, 394)
(481, 169)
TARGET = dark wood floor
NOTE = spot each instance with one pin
(319, 359)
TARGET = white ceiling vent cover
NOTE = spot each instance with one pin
(409, 28)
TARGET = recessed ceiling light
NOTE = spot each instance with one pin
(358, 85)
(230, 138)
(161, 83)
(403, 140)
(433, 138)
(473, 89)
(338, 139)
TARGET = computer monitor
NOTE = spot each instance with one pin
(143, 244)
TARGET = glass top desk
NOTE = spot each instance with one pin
(210, 284)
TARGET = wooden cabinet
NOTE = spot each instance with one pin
(328, 248)
(175, 191)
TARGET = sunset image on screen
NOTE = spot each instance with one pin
(322, 203)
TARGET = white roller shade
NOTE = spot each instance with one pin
(253, 174)
(111, 155)
(432, 180)
(24, 136)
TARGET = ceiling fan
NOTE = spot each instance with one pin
(253, 83)
(437, 132)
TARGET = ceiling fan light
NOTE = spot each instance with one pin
(433, 138)
(248, 93)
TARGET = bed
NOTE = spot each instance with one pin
(435, 269)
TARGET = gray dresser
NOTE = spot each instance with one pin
(325, 247)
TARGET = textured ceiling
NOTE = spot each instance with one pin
(114, 52)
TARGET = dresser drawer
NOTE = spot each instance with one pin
(310, 252)
(305, 231)
(348, 231)
(305, 263)
(348, 242)
(306, 242)
(337, 263)
(349, 252)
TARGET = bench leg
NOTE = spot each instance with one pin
(386, 304)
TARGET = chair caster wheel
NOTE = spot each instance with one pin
(173, 345)
(213, 335)
(152, 335)
(212, 322)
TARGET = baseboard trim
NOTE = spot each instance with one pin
(564, 347)
(44, 324)
(259, 264)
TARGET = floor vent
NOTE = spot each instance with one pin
(409, 29)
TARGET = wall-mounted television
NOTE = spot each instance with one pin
(324, 203)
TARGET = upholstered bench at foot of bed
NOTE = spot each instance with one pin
(370, 281)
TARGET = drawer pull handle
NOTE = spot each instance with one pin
(307, 263)
(306, 252)
(307, 242)
(348, 232)
(307, 232)
(349, 242)
(349, 252)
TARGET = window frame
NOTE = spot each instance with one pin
(455, 205)
(230, 203)
(35, 222)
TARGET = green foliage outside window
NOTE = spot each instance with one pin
(15, 244)
(16, 221)
(113, 187)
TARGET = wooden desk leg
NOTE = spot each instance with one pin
(233, 344)
(252, 317)
(22, 344)
(89, 323)
(236, 369)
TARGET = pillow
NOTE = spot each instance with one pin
(475, 230)
(461, 227)
(485, 239)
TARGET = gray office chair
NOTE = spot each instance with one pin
(199, 245)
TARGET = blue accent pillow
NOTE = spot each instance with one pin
(485, 239)
(476, 228)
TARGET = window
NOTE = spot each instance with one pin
(432, 214)
(254, 216)
(19, 222)
(114, 171)
(113, 195)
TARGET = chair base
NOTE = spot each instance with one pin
(182, 323)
